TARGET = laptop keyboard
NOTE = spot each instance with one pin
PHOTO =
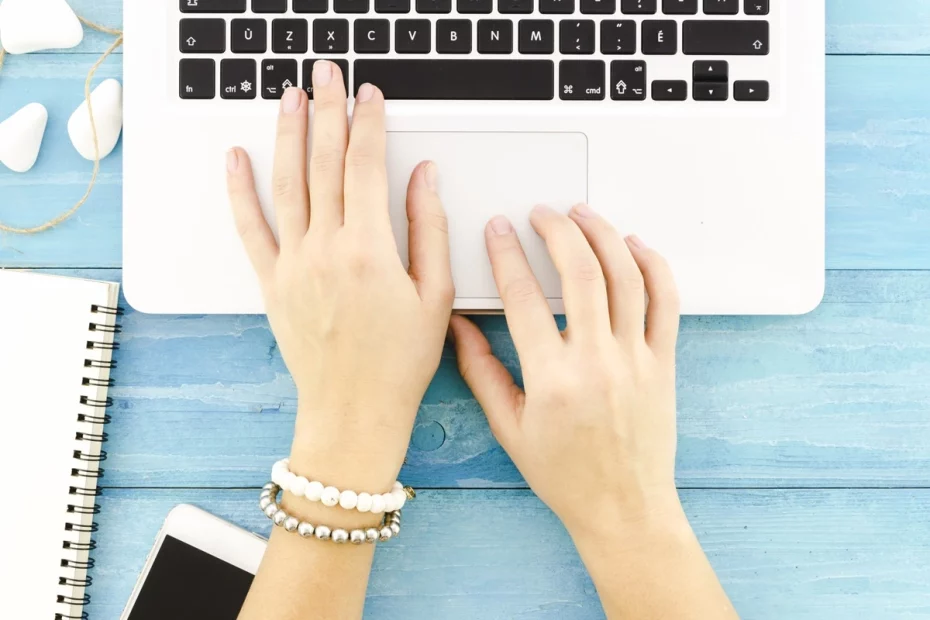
(573, 50)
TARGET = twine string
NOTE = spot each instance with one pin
(93, 128)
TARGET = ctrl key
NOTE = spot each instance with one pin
(581, 80)
(197, 79)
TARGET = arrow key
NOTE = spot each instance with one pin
(627, 80)
(711, 70)
(711, 91)
(751, 90)
(669, 90)
(576, 36)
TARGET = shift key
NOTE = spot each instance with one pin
(725, 37)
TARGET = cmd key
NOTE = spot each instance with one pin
(725, 37)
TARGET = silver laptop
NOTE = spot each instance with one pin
(697, 124)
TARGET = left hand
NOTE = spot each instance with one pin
(361, 336)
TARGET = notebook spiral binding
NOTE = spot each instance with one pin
(86, 472)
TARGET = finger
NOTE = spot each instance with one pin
(366, 186)
(330, 139)
(584, 290)
(663, 313)
(291, 200)
(529, 317)
(489, 381)
(428, 244)
(256, 235)
(624, 279)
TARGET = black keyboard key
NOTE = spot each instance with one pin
(290, 36)
(475, 6)
(351, 6)
(481, 79)
(660, 37)
(711, 91)
(639, 7)
(627, 80)
(197, 79)
(392, 6)
(277, 76)
(330, 36)
(710, 71)
(213, 6)
(269, 6)
(598, 7)
(308, 73)
(557, 7)
(248, 36)
(669, 90)
(581, 80)
(311, 6)
(412, 36)
(721, 7)
(495, 36)
(434, 6)
(680, 7)
(203, 36)
(536, 36)
(576, 36)
(453, 36)
(514, 6)
(725, 37)
(756, 7)
(618, 36)
(751, 90)
(372, 36)
(237, 79)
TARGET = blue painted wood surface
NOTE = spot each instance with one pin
(830, 413)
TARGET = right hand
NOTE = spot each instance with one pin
(594, 432)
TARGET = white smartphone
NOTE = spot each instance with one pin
(201, 567)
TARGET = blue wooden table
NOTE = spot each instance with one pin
(804, 457)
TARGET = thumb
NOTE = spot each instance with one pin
(491, 383)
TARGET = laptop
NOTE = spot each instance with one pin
(696, 124)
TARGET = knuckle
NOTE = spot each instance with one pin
(587, 271)
(361, 158)
(283, 185)
(521, 289)
(437, 221)
(326, 160)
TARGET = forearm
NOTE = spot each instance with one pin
(654, 568)
(308, 578)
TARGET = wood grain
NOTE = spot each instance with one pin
(501, 555)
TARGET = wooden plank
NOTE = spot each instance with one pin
(836, 398)
(499, 555)
(853, 26)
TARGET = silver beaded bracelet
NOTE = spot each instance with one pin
(268, 502)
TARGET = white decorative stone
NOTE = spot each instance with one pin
(330, 496)
(364, 502)
(33, 25)
(21, 137)
(107, 100)
(348, 500)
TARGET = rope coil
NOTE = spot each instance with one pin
(93, 127)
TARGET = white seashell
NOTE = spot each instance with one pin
(21, 137)
(32, 25)
(107, 100)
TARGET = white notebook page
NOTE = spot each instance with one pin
(45, 324)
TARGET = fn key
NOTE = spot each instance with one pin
(197, 79)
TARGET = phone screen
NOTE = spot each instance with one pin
(185, 583)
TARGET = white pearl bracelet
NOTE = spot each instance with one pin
(390, 523)
(330, 496)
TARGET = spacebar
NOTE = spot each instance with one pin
(458, 79)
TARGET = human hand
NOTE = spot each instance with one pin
(594, 432)
(361, 336)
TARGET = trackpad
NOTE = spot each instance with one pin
(482, 175)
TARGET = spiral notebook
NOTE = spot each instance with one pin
(57, 337)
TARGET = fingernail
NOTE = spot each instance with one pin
(430, 174)
(290, 102)
(232, 160)
(365, 93)
(501, 225)
(583, 210)
(636, 242)
(322, 72)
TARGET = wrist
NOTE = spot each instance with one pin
(616, 521)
